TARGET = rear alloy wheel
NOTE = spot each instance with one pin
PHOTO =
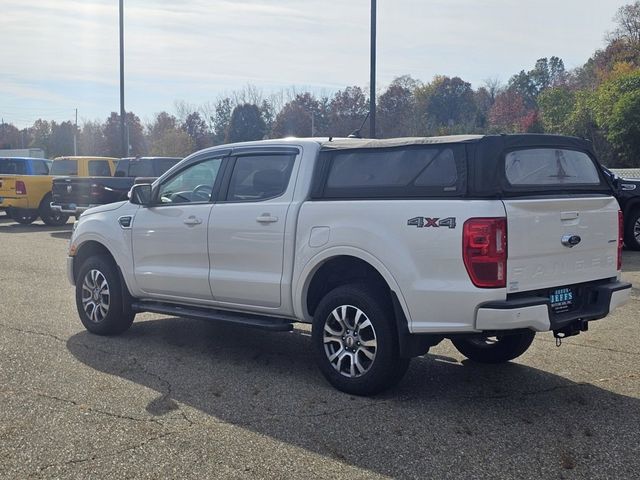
(349, 341)
(355, 341)
(104, 306)
(48, 216)
(632, 230)
(24, 217)
(494, 349)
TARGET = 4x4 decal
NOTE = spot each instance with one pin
(423, 222)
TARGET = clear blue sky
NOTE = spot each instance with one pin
(58, 55)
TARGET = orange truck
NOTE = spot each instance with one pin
(25, 184)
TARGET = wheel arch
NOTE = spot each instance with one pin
(44, 198)
(91, 248)
(631, 205)
(333, 261)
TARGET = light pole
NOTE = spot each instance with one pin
(123, 136)
(372, 82)
(75, 136)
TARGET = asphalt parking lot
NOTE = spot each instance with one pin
(175, 398)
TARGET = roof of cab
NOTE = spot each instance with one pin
(83, 157)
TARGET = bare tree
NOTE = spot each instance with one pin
(250, 94)
(493, 86)
(628, 24)
(184, 109)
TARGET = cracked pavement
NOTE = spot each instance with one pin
(175, 398)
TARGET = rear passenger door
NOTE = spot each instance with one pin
(247, 228)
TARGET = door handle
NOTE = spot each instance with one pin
(192, 221)
(266, 218)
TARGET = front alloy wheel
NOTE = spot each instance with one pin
(350, 341)
(95, 296)
(102, 300)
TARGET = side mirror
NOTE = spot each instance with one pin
(140, 194)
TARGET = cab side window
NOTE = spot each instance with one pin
(12, 166)
(260, 177)
(194, 184)
(40, 167)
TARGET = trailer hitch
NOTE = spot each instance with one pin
(574, 328)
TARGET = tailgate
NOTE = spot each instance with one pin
(68, 190)
(540, 234)
(7, 187)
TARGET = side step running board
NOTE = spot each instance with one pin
(253, 321)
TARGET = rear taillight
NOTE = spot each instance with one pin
(620, 238)
(484, 250)
(21, 189)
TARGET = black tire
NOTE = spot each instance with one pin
(630, 222)
(500, 350)
(119, 315)
(22, 216)
(48, 216)
(372, 376)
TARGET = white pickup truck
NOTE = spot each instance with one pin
(386, 247)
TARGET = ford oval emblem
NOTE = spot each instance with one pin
(571, 240)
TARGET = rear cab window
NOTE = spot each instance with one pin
(141, 168)
(144, 167)
(65, 166)
(122, 168)
(99, 168)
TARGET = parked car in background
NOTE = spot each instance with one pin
(26, 188)
(83, 166)
(627, 191)
(74, 195)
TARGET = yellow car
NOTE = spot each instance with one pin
(25, 184)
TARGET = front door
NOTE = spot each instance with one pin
(170, 248)
(247, 230)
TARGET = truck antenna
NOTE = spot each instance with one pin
(356, 133)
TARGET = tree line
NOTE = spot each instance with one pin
(599, 101)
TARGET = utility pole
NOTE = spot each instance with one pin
(123, 134)
(75, 135)
(372, 82)
(128, 140)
